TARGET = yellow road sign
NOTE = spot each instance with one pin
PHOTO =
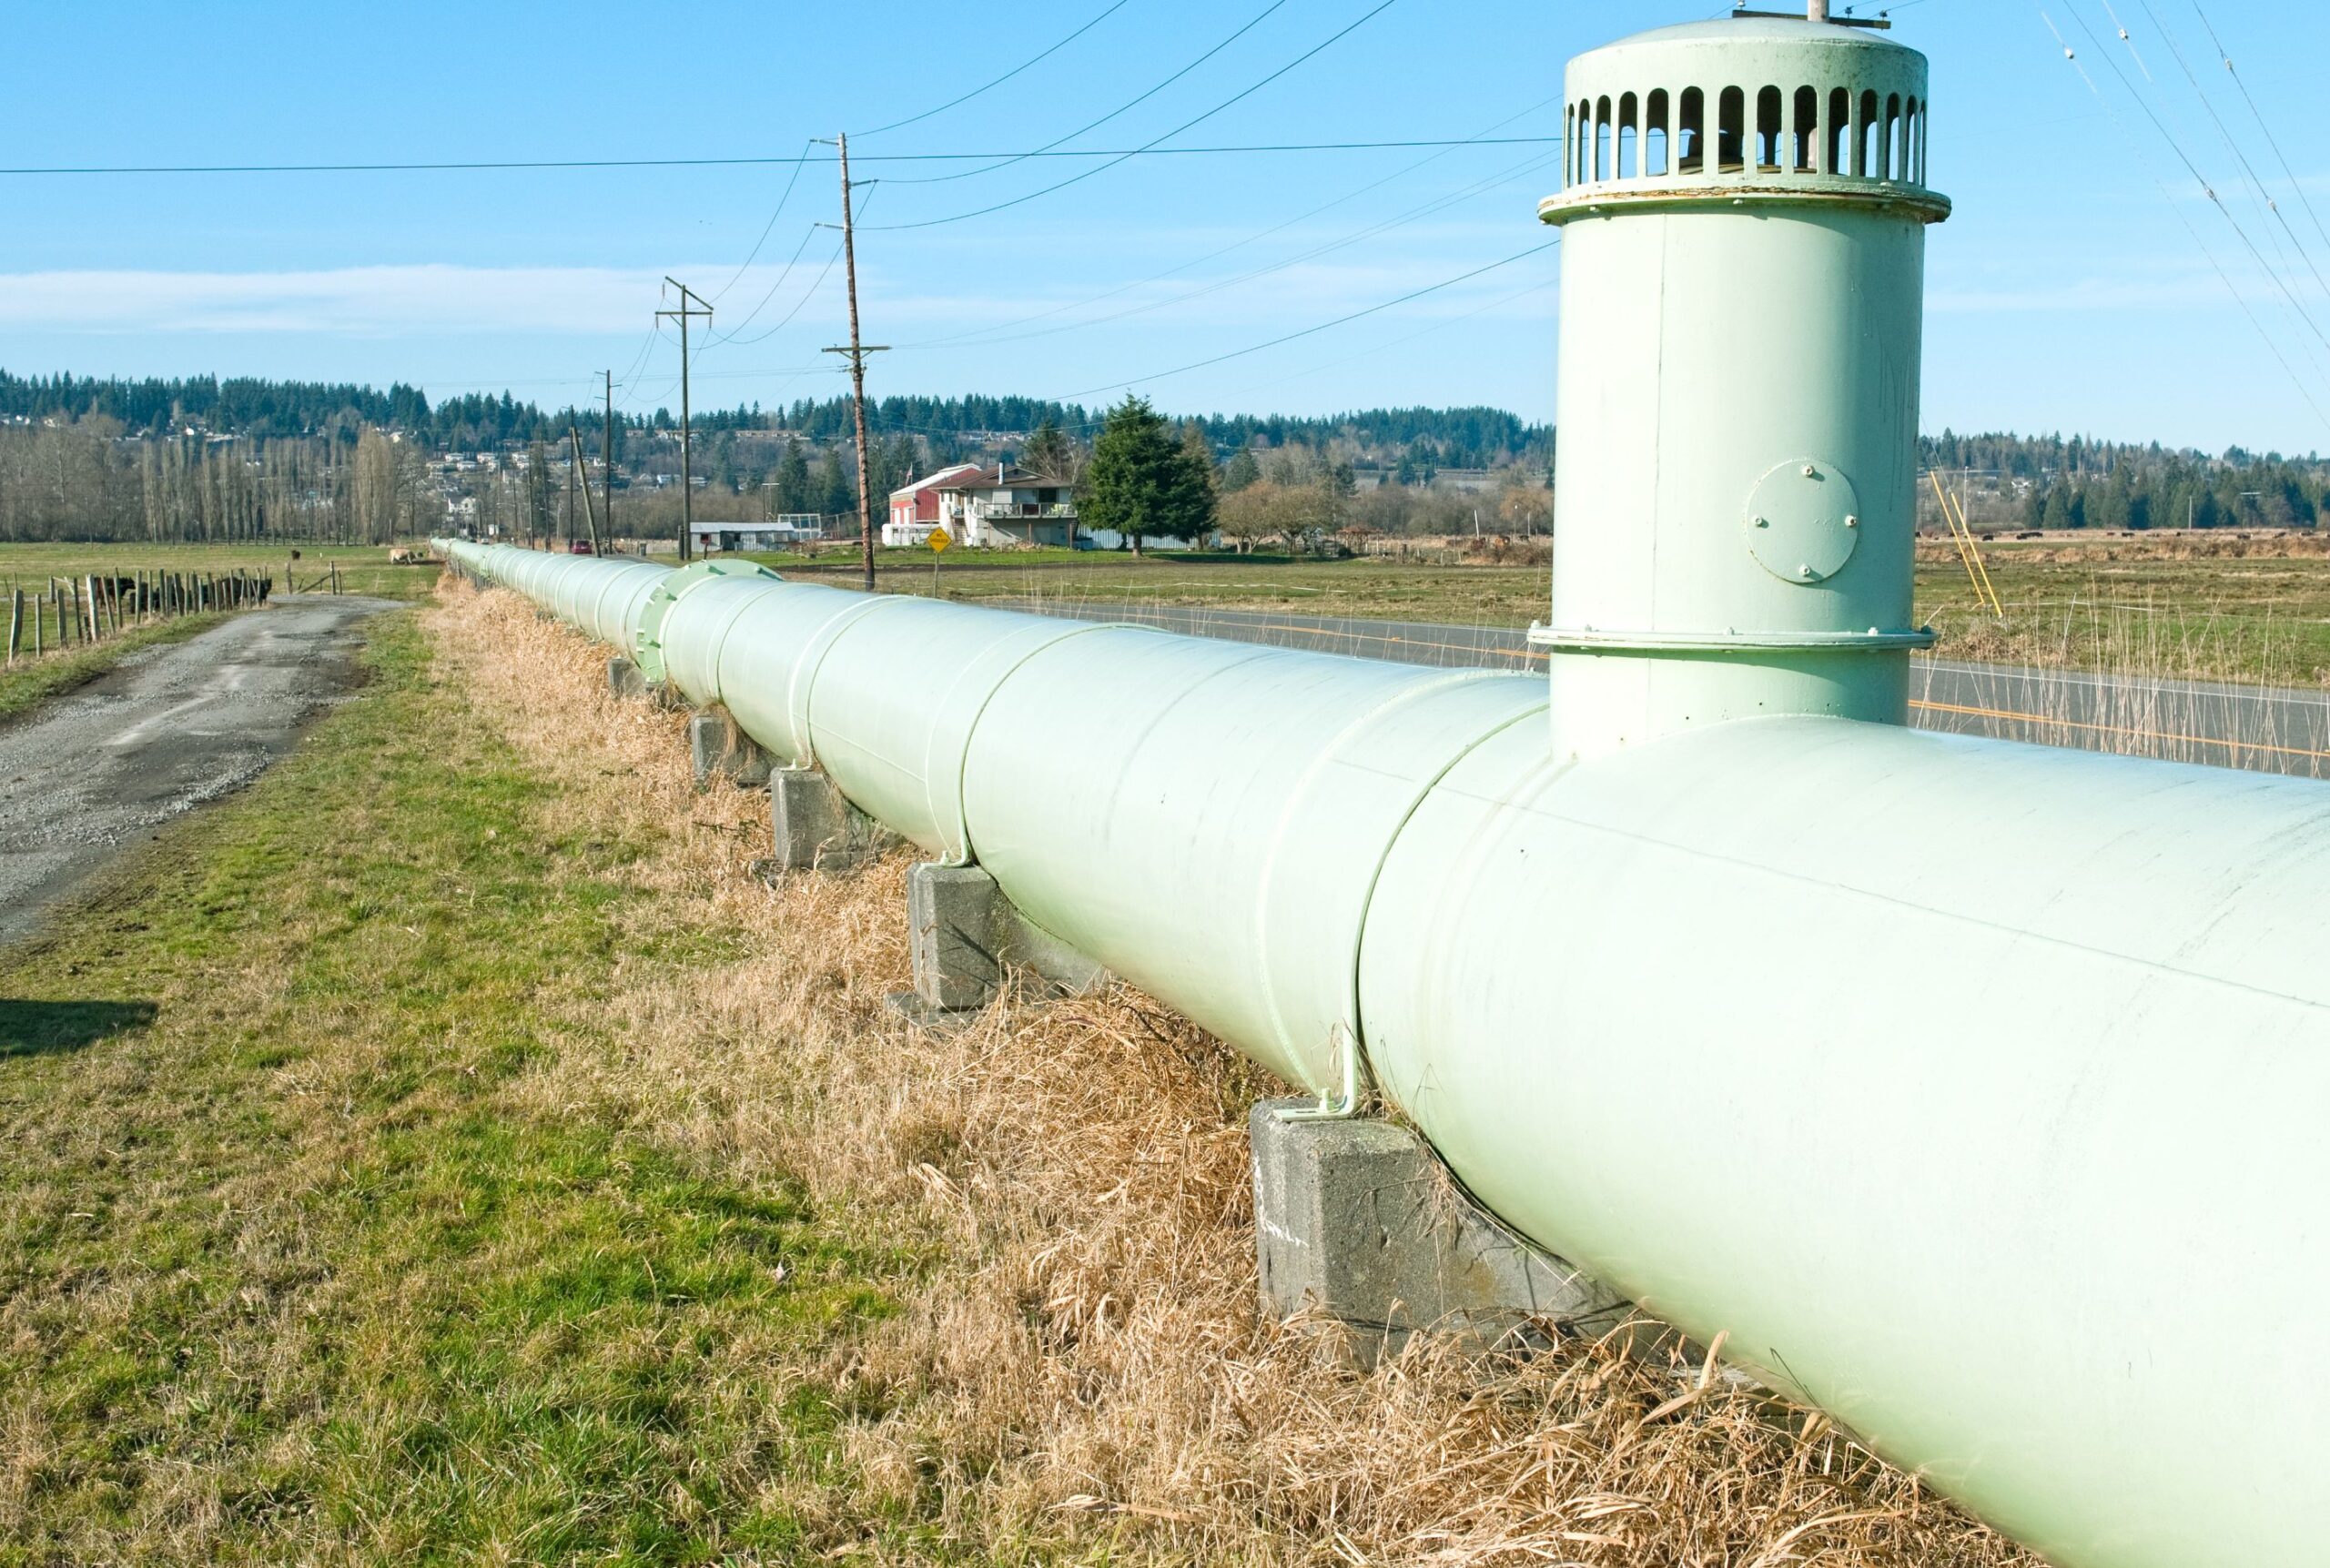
(940, 539)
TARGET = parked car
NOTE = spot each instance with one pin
(579, 547)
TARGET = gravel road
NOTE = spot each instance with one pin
(89, 774)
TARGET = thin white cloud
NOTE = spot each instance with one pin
(355, 300)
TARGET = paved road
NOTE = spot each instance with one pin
(169, 729)
(2270, 729)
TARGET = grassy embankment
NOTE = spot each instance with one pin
(446, 1150)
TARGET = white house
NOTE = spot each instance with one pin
(992, 506)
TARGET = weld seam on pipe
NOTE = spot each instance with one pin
(963, 852)
(1390, 847)
(800, 691)
(1299, 804)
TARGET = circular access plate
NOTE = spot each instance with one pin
(1803, 521)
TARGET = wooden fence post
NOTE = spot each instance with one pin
(15, 621)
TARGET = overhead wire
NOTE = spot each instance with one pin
(2255, 189)
(1015, 70)
(2240, 300)
(2271, 140)
(1235, 98)
(1383, 225)
(807, 235)
(1118, 155)
(1479, 138)
(2234, 146)
(863, 198)
(2207, 188)
(766, 229)
(1375, 309)
(1130, 103)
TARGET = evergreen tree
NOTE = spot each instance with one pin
(1142, 482)
(1242, 471)
(836, 486)
(793, 486)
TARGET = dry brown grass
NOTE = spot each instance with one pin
(2163, 544)
(1078, 1370)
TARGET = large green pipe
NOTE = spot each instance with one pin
(1973, 1091)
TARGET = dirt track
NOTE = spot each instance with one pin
(170, 729)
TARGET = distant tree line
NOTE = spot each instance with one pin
(236, 457)
(264, 410)
(2179, 493)
(89, 480)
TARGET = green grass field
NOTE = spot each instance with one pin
(2260, 618)
(363, 569)
(295, 1270)
(2264, 617)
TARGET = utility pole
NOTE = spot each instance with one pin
(857, 352)
(574, 441)
(687, 443)
(607, 457)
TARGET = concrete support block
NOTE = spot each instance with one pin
(815, 828)
(718, 749)
(1358, 1219)
(951, 915)
(623, 678)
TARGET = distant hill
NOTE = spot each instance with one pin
(266, 410)
(2060, 481)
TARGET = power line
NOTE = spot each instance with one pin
(1479, 138)
(1440, 326)
(1153, 146)
(766, 230)
(1438, 204)
(809, 235)
(2256, 184)
(2240, 300)
(1322, 327)
(998, 81)
(1118, 155)
(2207, 188)
(2295, 184)
(864, 200)
(1132, 104)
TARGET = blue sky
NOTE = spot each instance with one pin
(2067, 292)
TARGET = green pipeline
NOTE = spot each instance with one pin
(1973, 1091)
